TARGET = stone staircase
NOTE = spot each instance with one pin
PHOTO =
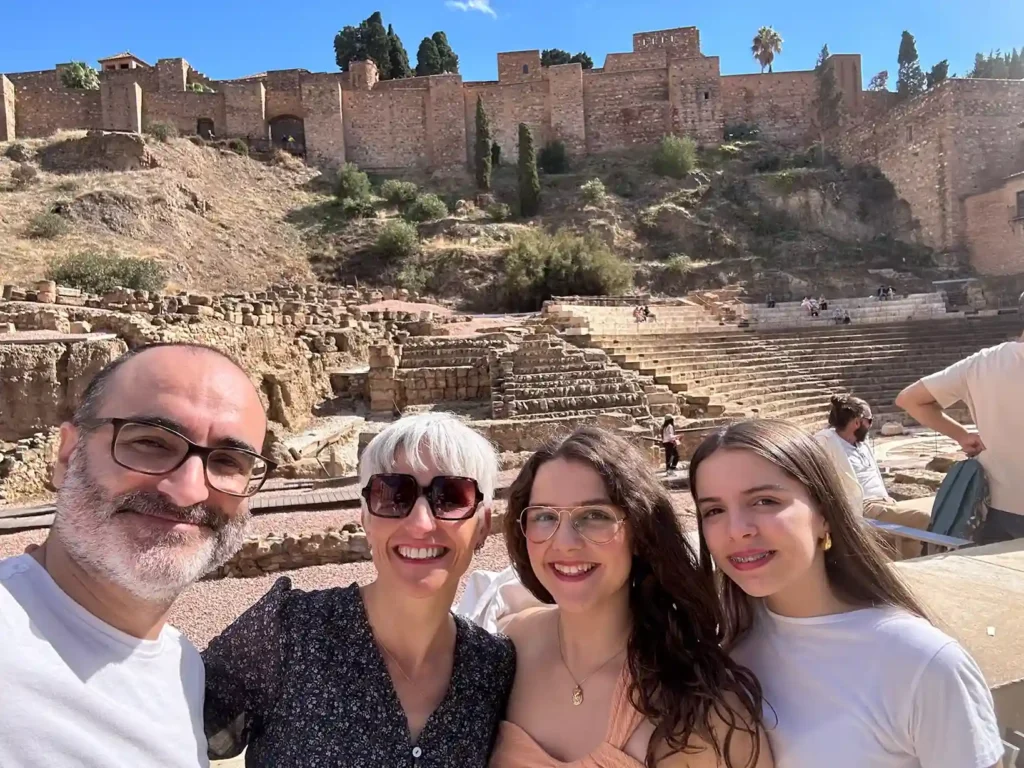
(545, 378)
(791, 374)
(681, 316)
(866, 309)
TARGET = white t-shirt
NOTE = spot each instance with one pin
(991, 383)
(78, 693)
(668, 433)
(873, 688)
(862, 461)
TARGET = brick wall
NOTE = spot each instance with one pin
(284, 93)
(995, 229)
(42, 110)
(183, 109)
(682, 42)
(445, 123)
(565, 106)
(625, 109)
(245, 109)
(696, 97)
(779, 104)
(511, 66)
(625, 62)
(324, 124)
(507, 106)
(7, 110)
(172, 74)
(121, 106)
(386, 128)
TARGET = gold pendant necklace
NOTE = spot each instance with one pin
(577, 692)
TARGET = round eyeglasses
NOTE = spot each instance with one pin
(596, 523)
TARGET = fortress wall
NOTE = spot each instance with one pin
(624, 109)
(508, 105)
(45, 109)
(779, 104)
(696, 94)
(324, 124)
(386, 128)
(284, 94)
(627, 62)
(681, 42)
(565, 107)
(446, 126)
(182, 109)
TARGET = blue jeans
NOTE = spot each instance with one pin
(1000, 526)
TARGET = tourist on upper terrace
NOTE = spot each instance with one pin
(623, 667)
(670, 443)
(154, 471)
(823, 304)
(769, 301)
(853, 672)
(848, 444)
(383, 674)
(991, 383)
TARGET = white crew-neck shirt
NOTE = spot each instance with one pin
(872, 688)
(77, 693)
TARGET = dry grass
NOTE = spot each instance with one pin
(214, 219)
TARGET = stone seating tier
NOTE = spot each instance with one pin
(792, 374)
(918, 306)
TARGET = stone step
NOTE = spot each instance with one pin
(575, 389)
(441, 361)
(540, 379)
(573, 403)
(637, 411)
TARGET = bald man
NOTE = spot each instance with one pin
(154, 473)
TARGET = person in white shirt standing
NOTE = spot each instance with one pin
(669, 442)
(853, 672)
(991, 383)
(153, 472)
(848, 444)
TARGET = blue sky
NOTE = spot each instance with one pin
(231, 39)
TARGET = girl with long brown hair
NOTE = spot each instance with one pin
(626, 668)
(853, 672)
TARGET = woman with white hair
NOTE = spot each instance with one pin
(383, 674)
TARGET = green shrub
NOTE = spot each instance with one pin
(81, 76)
(24, 174)
(426, 208)
(352, 182)
(413, 276)
(499, 212)
(675, 157)
(680, 264)
(162, 131)
(357, 208)
(239, 147)
(47, 226)
(539, 265)
(398, 240)
(553, 158)
(398, 192)
(741, 132)
(17, 152)
(97, 272)
(592, 191)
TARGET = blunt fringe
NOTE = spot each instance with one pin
(681, 678)
(435, 438)
(856, 565)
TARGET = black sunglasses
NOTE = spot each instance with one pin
(449, 497)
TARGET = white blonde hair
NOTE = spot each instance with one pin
(438, 439)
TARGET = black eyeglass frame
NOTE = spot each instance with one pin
(194, 449)
(620, 520)
(426, 492)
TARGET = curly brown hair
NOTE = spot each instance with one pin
(681, 678)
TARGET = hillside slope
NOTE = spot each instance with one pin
(213, 218)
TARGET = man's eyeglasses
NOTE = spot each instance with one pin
(596, 523)
(152, 449)
(449, 497)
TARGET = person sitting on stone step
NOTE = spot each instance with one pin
(848, 444)
(381, 674)
(990, 382)
(154, 472)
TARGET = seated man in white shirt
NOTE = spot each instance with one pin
(846, 439)
(154, 470)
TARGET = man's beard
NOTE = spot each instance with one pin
(156, 565)
(861, 433)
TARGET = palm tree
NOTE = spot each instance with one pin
(767, 43)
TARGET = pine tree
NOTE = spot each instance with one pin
(828, 103)
(482, 149)
(428, 60)
(911, 80)
(449, 61)
(399, 58)
(938, 73)
(529, 179)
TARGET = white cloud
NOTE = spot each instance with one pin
(484, 6)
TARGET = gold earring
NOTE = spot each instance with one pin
(827, 543)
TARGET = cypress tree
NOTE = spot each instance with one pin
(482, 149)
(911, 79)
(828, 103)
(377, 44)
(449, 61)
(399, 58)
(428, 60)
(529, 180)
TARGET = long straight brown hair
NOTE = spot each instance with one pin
(856, 566)
(681, 678)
